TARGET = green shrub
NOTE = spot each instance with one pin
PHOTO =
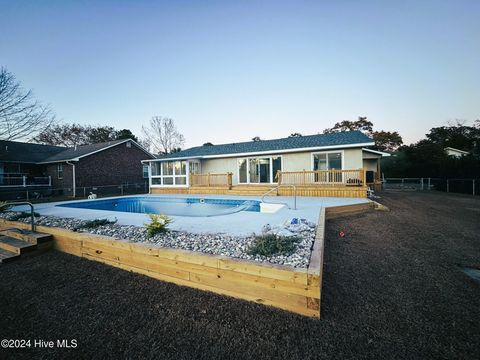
(158, 224)
(91, 224)
(22, 215)
(271, 244)
(4, 206)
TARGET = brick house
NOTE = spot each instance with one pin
(24, 165)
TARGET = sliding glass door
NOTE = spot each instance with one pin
(259, 170)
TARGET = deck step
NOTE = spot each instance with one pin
(7, 256)
(27, 235)
(15, 245)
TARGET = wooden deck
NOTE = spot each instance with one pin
(259, 190)
(320, 183)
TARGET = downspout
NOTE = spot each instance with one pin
(74, 191)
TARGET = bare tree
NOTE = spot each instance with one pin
(21, 115)
(163, 136)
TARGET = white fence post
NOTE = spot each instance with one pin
(447, 186)
(421, 183)
(24, 181)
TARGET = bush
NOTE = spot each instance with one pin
(91, 224)
(21, 215)
(4, 206)
(271, 244)
(158, 224)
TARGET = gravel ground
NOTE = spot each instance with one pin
(393, 289)
(218, 244)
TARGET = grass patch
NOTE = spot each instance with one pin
(21, 215)
(91, 224)
(271, 244)
(158, 224)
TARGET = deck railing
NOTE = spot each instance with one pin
(24, 181)
(322, 177)
(211, 180)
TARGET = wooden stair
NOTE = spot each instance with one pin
(16, 243)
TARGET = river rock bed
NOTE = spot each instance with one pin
(217, 244)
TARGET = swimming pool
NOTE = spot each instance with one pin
(169, 206)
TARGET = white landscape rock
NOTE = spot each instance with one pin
(215, 243)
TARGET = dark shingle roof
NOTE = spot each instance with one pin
(72, 153)
(12, 151)
(310, 141)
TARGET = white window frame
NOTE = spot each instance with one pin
(312, 160)
(59, 166)
(144, 166)
(199, 165)
(174, 175)
(272, 180)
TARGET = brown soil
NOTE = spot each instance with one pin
(393, 288)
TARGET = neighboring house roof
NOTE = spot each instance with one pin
(44, 154)
(291, 144)
(456, 151)
(13, 151)
(72, 154)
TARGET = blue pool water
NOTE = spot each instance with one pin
(169, 206)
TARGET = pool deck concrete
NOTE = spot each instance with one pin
(241, 224)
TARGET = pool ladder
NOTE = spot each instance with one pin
(276, 188)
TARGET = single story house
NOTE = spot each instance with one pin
(36, 166)
(338, 164)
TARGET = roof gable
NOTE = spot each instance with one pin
(41, 154)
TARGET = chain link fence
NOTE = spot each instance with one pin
(462, 186)
(46, 194)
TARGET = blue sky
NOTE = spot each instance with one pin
(228, 71)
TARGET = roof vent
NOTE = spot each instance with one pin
(129, 144)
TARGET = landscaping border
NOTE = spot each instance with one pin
(284, 287)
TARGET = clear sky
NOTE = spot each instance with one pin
(228, 71)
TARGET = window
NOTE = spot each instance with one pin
(327, 161)
(242, 170)
(259, 170)
(60, 171)
(195, 167)
(145, 171)
(169, 173)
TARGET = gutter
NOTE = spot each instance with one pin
(74, 191)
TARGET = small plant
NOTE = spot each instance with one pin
(158, 224)
(4, 206)
(271, 244)
(22, 215)
(91, 224)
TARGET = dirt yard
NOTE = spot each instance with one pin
(393, 288)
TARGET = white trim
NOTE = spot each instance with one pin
(269, 152)
(376, 152)
(97, 151)
(173, 176)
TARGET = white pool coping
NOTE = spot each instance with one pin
(242, 223)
